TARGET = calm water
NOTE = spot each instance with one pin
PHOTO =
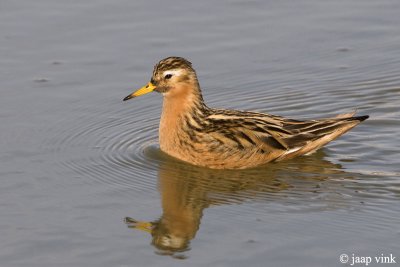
(76, 160)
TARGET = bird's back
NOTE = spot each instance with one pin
(237, 139)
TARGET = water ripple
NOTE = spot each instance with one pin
(108, 149)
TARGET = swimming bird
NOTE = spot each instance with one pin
(230, 139)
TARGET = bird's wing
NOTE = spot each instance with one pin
(249, 130)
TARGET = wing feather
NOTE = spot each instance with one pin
(264, 132)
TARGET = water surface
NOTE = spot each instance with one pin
(76, 160)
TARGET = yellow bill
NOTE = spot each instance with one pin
(142, 226)
(148, 88)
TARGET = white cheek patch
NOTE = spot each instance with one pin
(172, 72)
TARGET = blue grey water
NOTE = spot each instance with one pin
(75, 160)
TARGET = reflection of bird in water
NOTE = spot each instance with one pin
(186, 190)
(230, 139)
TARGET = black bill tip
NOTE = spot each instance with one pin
(127, 97)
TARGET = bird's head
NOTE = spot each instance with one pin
(172, 76)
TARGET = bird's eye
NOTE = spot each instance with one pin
(168, 76)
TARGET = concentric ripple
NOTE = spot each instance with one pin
(109, 149)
